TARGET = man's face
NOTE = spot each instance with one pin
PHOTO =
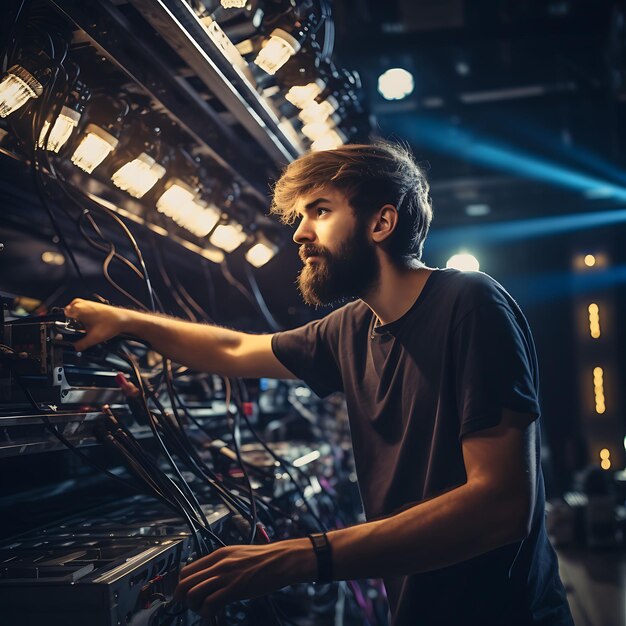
(340, 261)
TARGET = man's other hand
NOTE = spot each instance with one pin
(243, 572)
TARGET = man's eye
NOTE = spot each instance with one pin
(321, 211)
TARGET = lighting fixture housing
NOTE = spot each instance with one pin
(319, 111)
(94, 147)
(302, 95)
(138, 176)
(332, 139)
(17, 87)
(62, 129)
(181, 203)
(276, 51)
(228, 237)
(261, 252)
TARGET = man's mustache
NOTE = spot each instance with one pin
(308, 250)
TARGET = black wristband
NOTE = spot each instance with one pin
(324, 555)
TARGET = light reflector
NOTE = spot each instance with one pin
(260, 253)
(139, 175)
(94, 147)
(228, 237)
(17, 88)
(63, 126)
(276, 51)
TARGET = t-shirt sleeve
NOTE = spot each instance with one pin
(309, 352)
(495, 367)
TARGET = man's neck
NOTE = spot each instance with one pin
(396, 291)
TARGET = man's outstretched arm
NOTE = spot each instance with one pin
(199, 346)
(492, 509)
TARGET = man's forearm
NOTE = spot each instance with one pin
(198, 346)
(453, 527)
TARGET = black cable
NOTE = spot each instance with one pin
(154, 427)
(236, 434)
(269, 318)
(284, 465)
(198, 462)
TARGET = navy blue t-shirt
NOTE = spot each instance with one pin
(448, 367)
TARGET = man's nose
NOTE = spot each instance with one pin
(304, 233)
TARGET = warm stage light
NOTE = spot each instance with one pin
(17, 87)
(276, 51)
(316, 130)
(260, 253)
(464, 262)
(318, 111)
(228, 237)
(395, 84)
(598, 389)
(94, 147)
(590, 260)
(330, 140)
(594, 320)
(180, 203)
(63, 127)
(174, 197)
(52, 258)
(302, 95)
(139, 175)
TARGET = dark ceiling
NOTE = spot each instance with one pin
(517, 105)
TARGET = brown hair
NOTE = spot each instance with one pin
(370, 175)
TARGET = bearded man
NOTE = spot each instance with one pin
(440, 376)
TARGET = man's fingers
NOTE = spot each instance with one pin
(196, 596)
(188, 583)
(214, 603)
(201, 564)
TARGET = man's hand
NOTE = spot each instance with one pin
(242, 572)
(102, 322)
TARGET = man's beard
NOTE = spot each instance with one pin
(336, 277)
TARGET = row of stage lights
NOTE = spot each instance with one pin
(178, 201)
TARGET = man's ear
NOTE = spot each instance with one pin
(385, 222)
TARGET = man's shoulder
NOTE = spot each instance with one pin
(473, 288)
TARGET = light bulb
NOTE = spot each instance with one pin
(94, 147)
(315, 130)
(180, 202)
(318, 111)
(228, 237)
(331, 140)
(301, 95)
(276, 51)
(17, 87)
(139, 175)
(63, 126)
(260, 253)
(176, 196)
(201, 218)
